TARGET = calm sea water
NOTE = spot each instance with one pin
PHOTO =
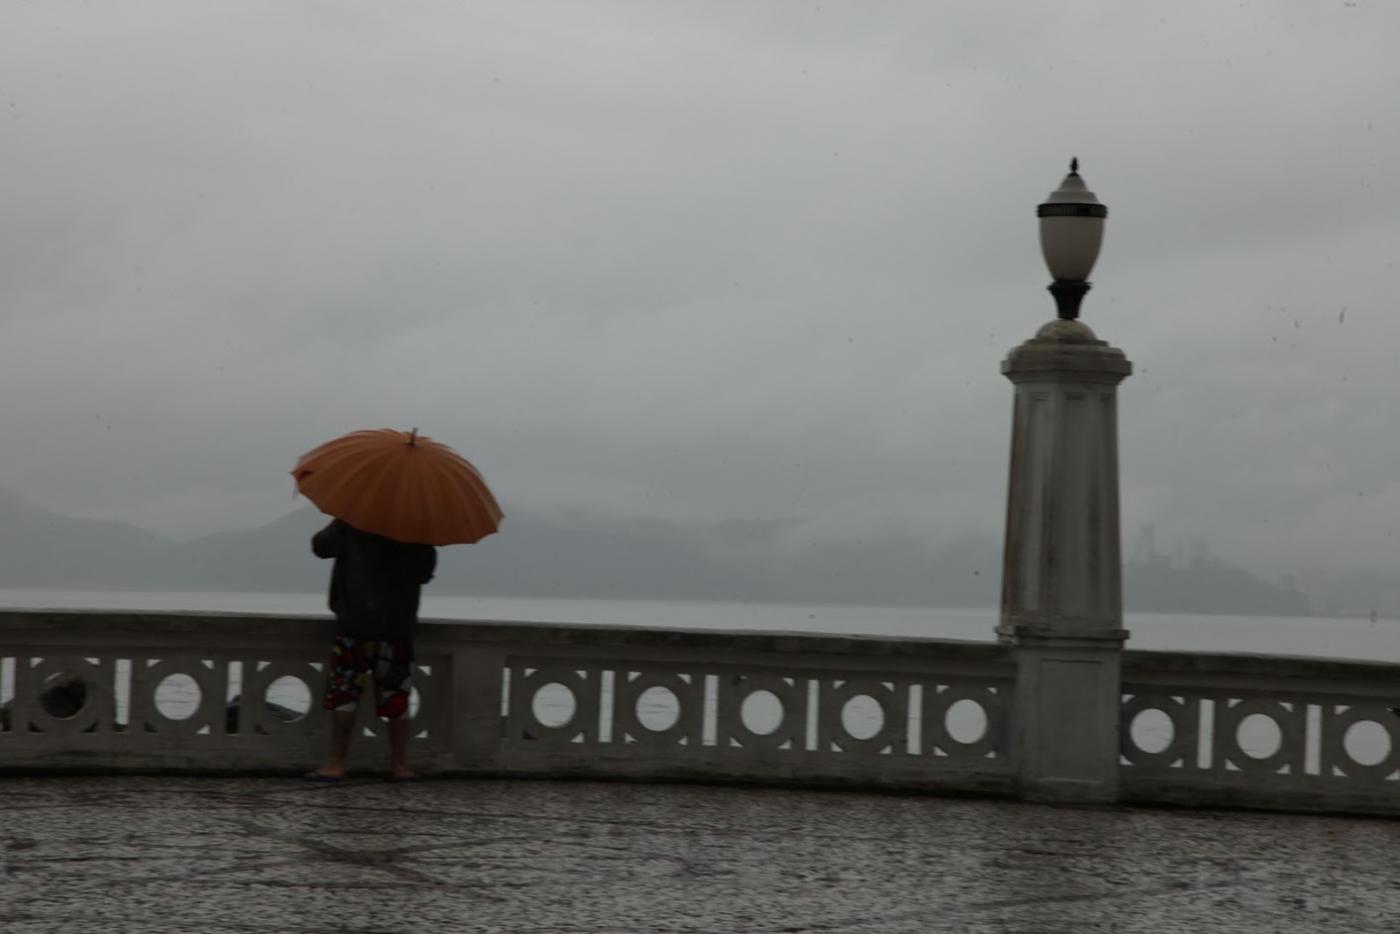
(1350, 638)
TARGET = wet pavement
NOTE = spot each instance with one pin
(277, 855)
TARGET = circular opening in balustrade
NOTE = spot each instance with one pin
(554, 704)
(1152, 730)
(658, 708)
(762, 713)
(63, 695)
(287, 699)
(965, 721)
(1367, 742)
(1259, 736)
(862, 716)
(177, 696)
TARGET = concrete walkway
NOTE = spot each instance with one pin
(267, 855)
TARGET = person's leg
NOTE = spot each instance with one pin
(342, 728)
(344, 684)
(399, 731)
(392, 685)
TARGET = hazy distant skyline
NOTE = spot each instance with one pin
(701, 261)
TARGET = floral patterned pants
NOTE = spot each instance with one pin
(354, 661)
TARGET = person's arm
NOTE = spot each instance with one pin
(330, 541)
(427, 563)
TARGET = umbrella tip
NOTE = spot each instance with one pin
(413, 437)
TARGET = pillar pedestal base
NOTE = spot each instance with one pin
(1068, 699)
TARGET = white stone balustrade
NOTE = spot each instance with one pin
(514, 699)
(1260, 731)
(544, 700)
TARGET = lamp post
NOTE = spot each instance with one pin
(1061, 603)
(1071, 233)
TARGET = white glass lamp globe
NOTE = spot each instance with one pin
(1071, 228)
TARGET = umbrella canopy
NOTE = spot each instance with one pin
(400, 485)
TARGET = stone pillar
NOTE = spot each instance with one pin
(1061, 603)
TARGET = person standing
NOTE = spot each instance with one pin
(375, 587)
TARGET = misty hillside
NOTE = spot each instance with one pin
(44, 549)
(572, 555)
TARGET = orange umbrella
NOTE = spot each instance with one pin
(399, 485)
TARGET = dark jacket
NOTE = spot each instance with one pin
(375, 582)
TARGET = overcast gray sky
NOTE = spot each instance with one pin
(701, 260)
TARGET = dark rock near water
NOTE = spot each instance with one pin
(283, 714)
(63, 697)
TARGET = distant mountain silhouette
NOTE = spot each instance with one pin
(44, 549)
(581, 555)
(1206, 585)
(274, 557)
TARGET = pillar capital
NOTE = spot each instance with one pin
(1066, 351)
